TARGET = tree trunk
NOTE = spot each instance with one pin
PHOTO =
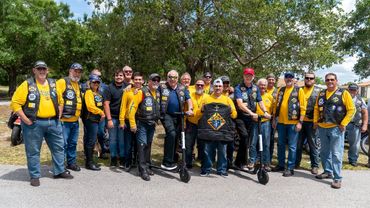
(12, 77)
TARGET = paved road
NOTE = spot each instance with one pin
(113, 188)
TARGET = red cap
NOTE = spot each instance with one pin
(248, 71)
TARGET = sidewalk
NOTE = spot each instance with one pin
(109, 188)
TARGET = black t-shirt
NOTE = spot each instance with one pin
(113, 94)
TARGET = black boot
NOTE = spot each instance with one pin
(113, 161)
(89, 160)
(148, 152)
(122, 162)
(142, 163)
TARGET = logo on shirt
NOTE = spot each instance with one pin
(216, 121)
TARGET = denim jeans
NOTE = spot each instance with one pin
(331, 152)
(287, 135)
(247, 130)
(116, 141)
(91, 133)
(70, 135)
(191, 133)
(144, 133)
(172, 127)
(128, 142)
(354, 138)
(210, 148)
(103, 141)
(307, 132)
(33, 136)
(265, 131)
(272, 142)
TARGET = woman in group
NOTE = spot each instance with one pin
(94, 114)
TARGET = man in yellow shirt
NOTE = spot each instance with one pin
(334, 109)
(311, 92)
(36, 102)
(69, 89)
(216, 129)
(124, 118)
(191, 131)
(272, 90)
(290, 110)
(144, 108)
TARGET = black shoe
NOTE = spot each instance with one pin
(64, 175)
(204, 173)
(35, 182)
(324, 175)
(113, 161)
(74, 167)
(92, 166)
(150, 171)
(354, 164)
(223, 174)
(144, 175)
(277, 169)
(288, 173)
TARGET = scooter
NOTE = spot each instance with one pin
(262, 175)
(181, 168)
(14, 123)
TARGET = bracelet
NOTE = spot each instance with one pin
(109, 119)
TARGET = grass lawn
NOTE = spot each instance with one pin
(16, 155)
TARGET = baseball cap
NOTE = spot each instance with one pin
(248, 71)
(207, 74)
(154, 75)
(218, 82)
(225, 78)
(271, 75)
(76, 66)
(353, 86)
(94, 77)
(289, 74)
(40, 64)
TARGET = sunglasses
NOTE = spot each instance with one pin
(226, 83)
(41, 69)
(329, 80)
(172, 77)
(309, 78)
(127, 72)
(200, 85)
(208, 77)
(155, 80)
(95, 82)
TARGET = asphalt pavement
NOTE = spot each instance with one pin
(115, 188)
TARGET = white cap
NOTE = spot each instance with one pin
(218, 82)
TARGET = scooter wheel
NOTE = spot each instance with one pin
(184, 175)
(263, 177)
(16, 137)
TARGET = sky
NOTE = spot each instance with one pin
(343, 70)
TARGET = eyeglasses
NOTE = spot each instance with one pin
(127, 72)
(309, 78)
(172, 77)
(208, 77)
(329, 80)
(155, 80)
(200, 85)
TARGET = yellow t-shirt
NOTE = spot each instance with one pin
(197, 101)
(90, 103)
(283, 114)
(221, 99)
(61, 87)
(270, 91)
(134, 104)
(46, 107)
(348, 103)
(207, 88)
(125, 105)
(268, 101)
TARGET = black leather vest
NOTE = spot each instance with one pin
(148, 110)
(70, 99)
(165, 93)
(294, 110)
(331, 110)
(311, 102)
(33, 98)
(249, 99)
(357, 118)
(216, 123)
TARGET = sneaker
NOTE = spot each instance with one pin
(324, 175)
(169, 167)
(223, 174)
(277, 169)
(267, 167)
(315, 170)
(204, 173)
(64, 175)
(35, 182)
(74, 167)
(336, 184)
(288, 173)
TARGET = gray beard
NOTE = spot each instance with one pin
(74, 79)
(199, 92)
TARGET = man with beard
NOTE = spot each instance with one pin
(112, 104)
(124, 119)
(311, 92)
(173, 98)
(144, 109)
(290, 110)
(191, 130)
(334, 109)
(69, 89)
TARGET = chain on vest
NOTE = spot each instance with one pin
(357, 118)
(33, 98)
(331, 110)
(249, 99)
(165, 94)
(70, 99)
(148, 110)
(215, 123)
(293, 103)
(311, 102)
(98, 99)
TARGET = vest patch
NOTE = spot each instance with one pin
(216, 121)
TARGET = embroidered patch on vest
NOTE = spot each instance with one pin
(216, 121)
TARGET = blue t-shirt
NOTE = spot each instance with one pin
(173, 104)
(238, 94)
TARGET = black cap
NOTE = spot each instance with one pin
(207, 74)
(154, 75)
(76, 66)
(40, 64)
(353, 86)
(289, 75)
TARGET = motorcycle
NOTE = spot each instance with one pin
(14, 123)
(365, 142)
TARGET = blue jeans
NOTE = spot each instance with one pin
(144, 133)
(33, 136)
(103, 141)
(265, 131)
(116, 140)
(310, 134)
(210, 148)
(354, 138)
(287, 135)
(128, 135)
(70, 135)
(332, 148)
(91, 133)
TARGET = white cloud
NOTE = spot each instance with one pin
(348, 5)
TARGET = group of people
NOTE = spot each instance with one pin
(217, 115)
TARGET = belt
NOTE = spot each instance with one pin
(47, 119)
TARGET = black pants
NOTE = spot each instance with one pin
(244, 128)
(191, 136)
(308, 133)
(172, 127)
